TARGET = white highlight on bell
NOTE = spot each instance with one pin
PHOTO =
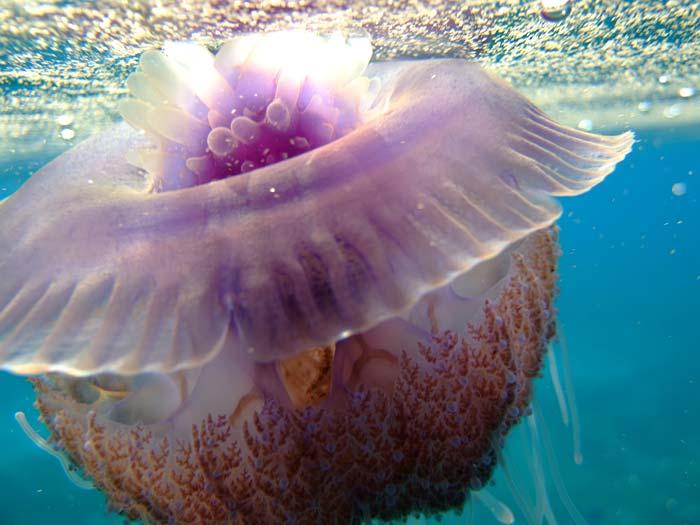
(195, 58)
(200, 73)
(334, 59)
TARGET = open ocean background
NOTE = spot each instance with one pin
(630, 309)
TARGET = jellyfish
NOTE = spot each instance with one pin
(295, 285)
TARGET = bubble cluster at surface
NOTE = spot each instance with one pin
(57, 57)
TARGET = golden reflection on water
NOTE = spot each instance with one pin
(599, 64)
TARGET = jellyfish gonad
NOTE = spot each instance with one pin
(294, 286)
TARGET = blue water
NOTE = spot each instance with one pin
(630, 308)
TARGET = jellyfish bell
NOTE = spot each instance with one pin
(295, 286)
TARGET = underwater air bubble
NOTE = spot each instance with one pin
(555, 10)
(67, 134)
(672, 111)
(585, 124)
(679, 189)
(67, 119)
